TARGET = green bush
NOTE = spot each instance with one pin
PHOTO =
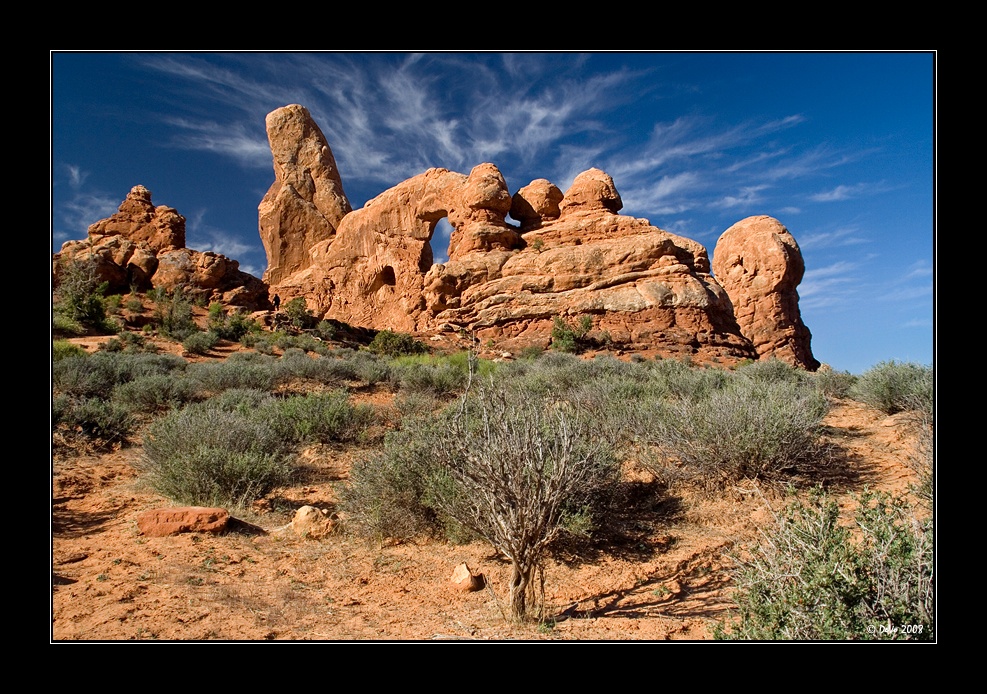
(128, 342)
(157, 392)
(391, 344)
(317, 417)
(175, 315)
(200, 342)
(207, 456)
(297, 313)
(61, 349)
(79, 301)
(568, 337)
(813, 578)
(897, 386)
(326, 330)
(233, 326)
(441, 376)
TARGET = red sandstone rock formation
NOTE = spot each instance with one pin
(158, 228)
(143, 246)
(572, 256)
(306, 202)
(643, 288)
(760, 265)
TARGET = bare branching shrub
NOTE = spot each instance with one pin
(517, 469)
(514, 469)
(813, 578)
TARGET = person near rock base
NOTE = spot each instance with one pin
(277, 303)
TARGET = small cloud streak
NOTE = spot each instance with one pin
(842, 192)
(846, 236)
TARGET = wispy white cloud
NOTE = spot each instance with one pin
(849, 192)
(77, 177)
(831, 286)
(74, 216)
(747, 197)
(233, 141)
(844, 236)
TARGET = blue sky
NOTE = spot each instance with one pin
(837, 146)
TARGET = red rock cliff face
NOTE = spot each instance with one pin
(573, 256)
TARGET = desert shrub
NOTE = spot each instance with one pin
(834, 384)
(391, 344)
(95, 418)
(310, 343)
(530, 352)
(215, 376)
(200, 342)
(812, 578)
(369, 368)
(98, 374)
(207, 456)
(440, 375)
(128, 342)
(516, 469)
(418, 404)
(156, 392)
(61, 349)
(296, 363)
(553, 372)
(326, 330)
(317, 417)
(133, 302)
(746, 429)
(386, 493)
(897, 386)
(670, 378)
(771, 370)
(241, 400)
